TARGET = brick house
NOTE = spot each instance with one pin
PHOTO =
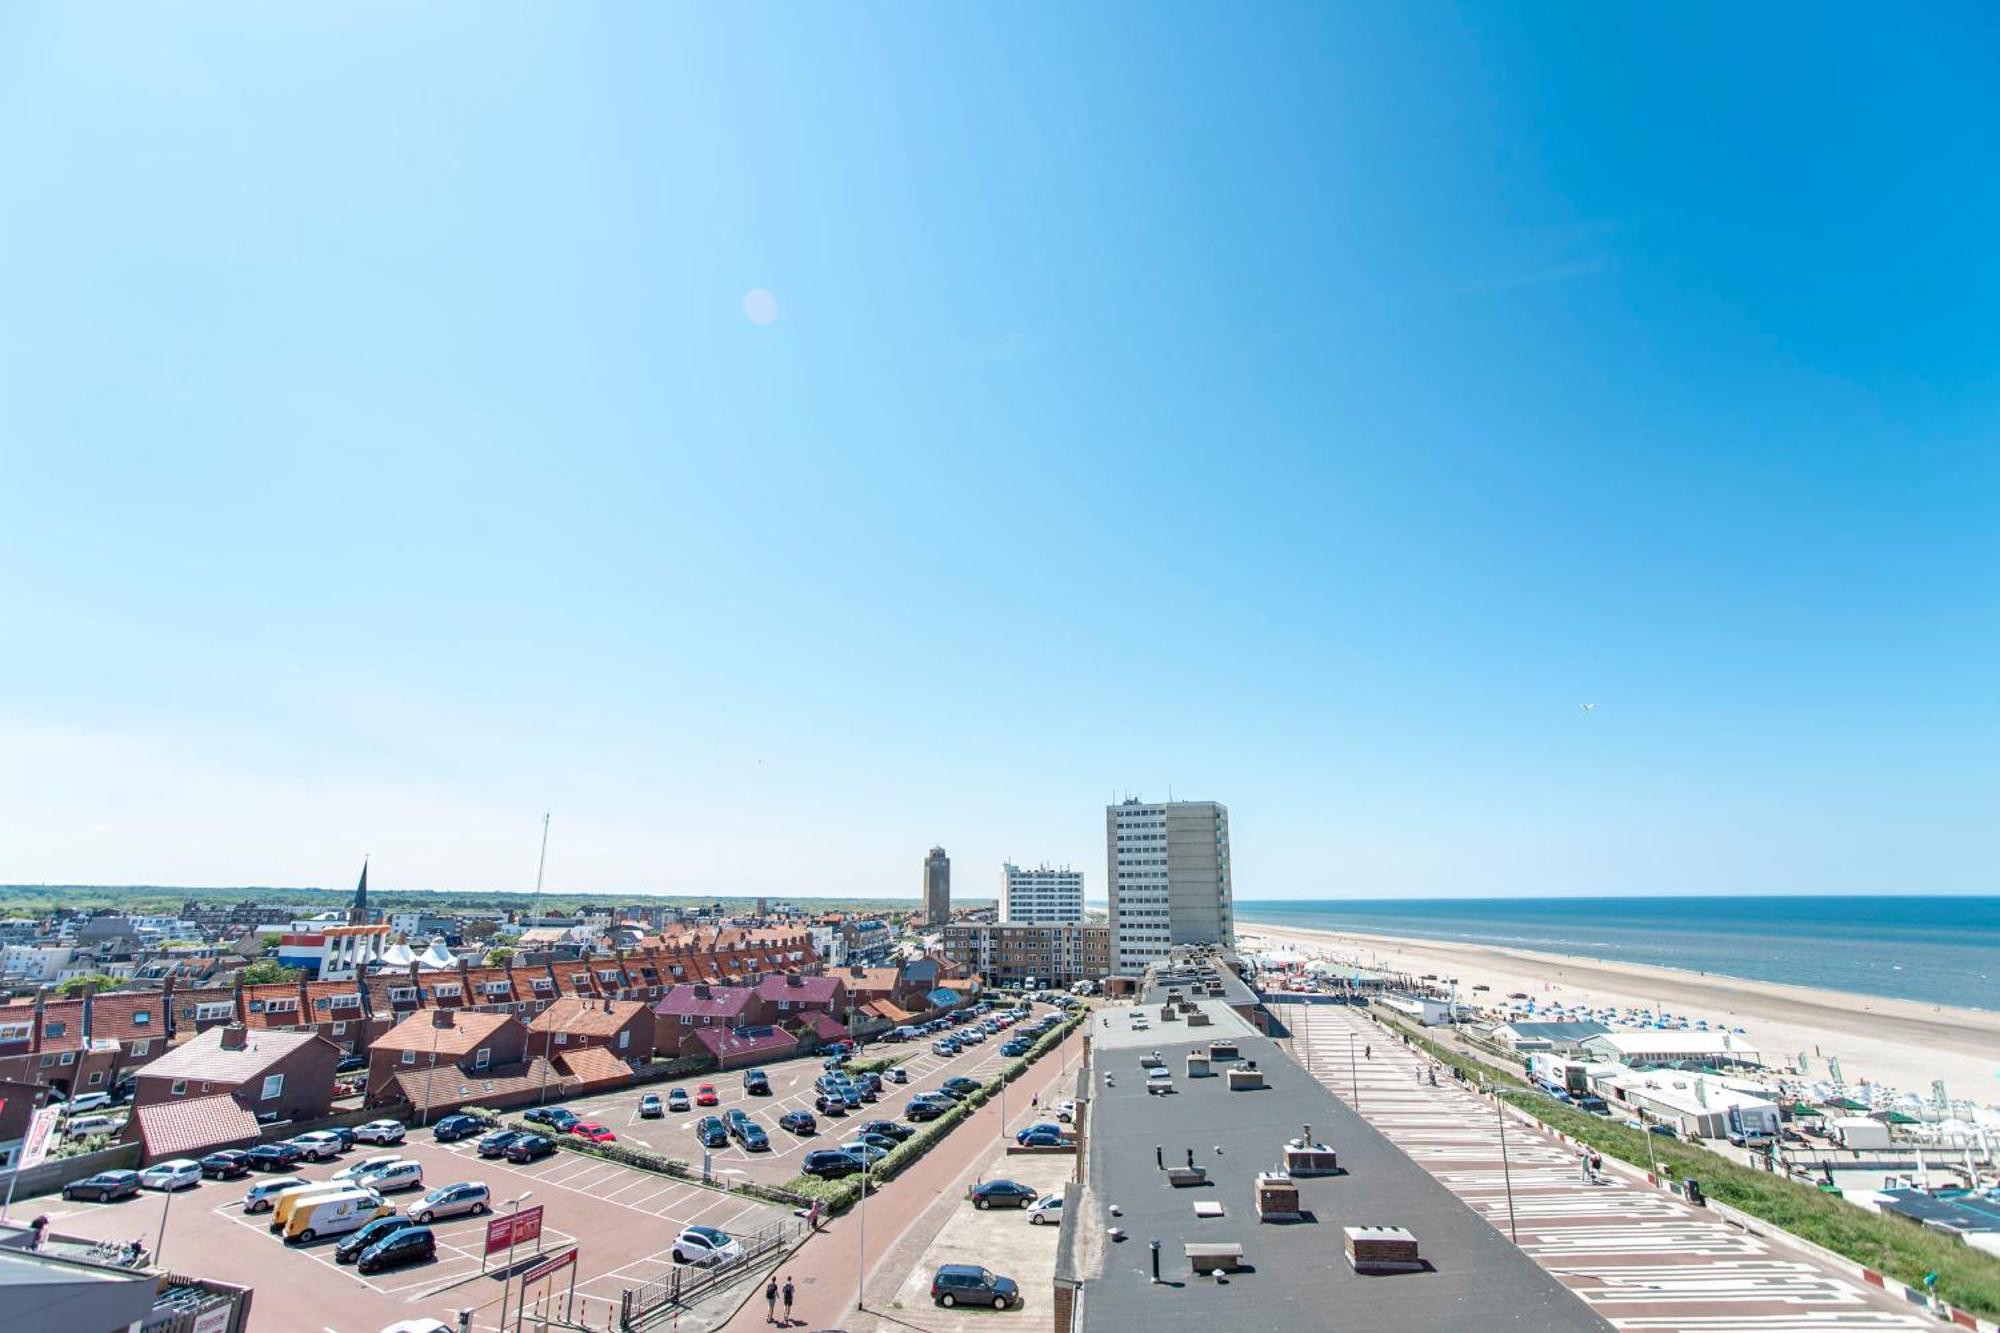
(623, 1027)
(472, 1042)
(273, 1075)
(791, 996)
(686, 1010)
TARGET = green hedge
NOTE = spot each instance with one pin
(1967, 1278)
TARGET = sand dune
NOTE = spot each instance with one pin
(1902, 1043)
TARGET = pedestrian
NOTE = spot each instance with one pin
(788, 1298)
(771, 1301)
(1034, 1101)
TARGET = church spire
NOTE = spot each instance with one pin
(357, 915)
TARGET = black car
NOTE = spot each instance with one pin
(1002, 1194)
(226, 1165)
(733, 1119)
(461, 1126)
(757, 1083)
(921, 1109)
(969, 1284)
(272, 1157)
(345, 1133)
(104, 1186)
(887, 1128)
(530, 1148)
(349, 1063)
(711, 1132)
(959, 1087)
(830, 1163)
(404, 1246)
(832, 1103)
(354, 1242)
(753, 1138)
(499, 1141)
(798, 1122)
(555, 1117)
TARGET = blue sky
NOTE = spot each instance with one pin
(1306, 407)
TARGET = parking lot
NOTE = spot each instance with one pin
(622, 1221)
(791, 1090)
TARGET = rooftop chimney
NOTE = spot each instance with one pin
(794, 979)
(441, 1018)
(235, 1037)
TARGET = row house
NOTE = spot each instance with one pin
(274, 1075)
(625, 1028)
(686, 1011)
(84, 1044)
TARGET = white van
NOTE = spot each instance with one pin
(394, 1177)
(291, 1201)
(334, 1215)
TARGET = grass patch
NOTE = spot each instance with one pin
(1967, 1278)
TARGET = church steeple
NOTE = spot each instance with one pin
(357, 915)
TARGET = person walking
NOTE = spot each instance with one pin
(788, 1298)
(771, 1301)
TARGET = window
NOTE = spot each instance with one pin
(409, 1057)
(53, 1029)
(402, 993)
(339, 1029)
(142, 1047)
(562, 1038)
(69, 1057)
(178, 1088)
(209, 1013)
(624, 1040)
(141, 1017)
(273, 1085)
(483, 1058)
(16, 1031)
(96, 1077)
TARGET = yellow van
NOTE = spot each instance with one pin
(334, 1215)
(288, 1202)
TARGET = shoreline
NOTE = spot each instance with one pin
(1904, 1044)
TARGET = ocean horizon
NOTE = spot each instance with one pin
(1937, 950)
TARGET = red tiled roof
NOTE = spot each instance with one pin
(722, 1042)
(885, 1010)
(449, 1085)
(469, 1030)
(814, 990)
(202, 1057)
(586, 1018)
(116, 1016)
(193, 1126)
(594, 1067)
(825, 1026)
(273, 1006)
(720, 1002)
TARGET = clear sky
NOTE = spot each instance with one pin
(1305, 407)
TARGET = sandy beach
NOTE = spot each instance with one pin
(1902, 1043)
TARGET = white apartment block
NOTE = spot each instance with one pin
(1168, 870)
(1041, 896)
(35, 962)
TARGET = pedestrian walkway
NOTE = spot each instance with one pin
(1644, 1259)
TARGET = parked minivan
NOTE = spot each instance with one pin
(334, 1215)
(399, 1176)
(264, 1195)
(288, 1204)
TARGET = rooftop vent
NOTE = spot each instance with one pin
(1382, 1250)
(1277, 1197)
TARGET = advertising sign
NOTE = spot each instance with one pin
(514, 1228)
(41, 1132)
(548, 1266)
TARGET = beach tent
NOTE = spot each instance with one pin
(1802, 1110)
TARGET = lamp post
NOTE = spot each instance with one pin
(861, 1249)
(1353, 1070)
(513, 1230)
(1506, 1170)
(160, 1241)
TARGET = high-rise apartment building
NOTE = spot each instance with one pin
(1041, 896)
(937, 887)
(1168, 868)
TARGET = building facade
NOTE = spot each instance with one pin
(1022, 954)
(1041, 896)
(937, 887)
(1167, 864)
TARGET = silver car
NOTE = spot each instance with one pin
(450, 1201)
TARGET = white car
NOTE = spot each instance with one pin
(318, 1146)
(175, 1175)
(705, 1245)
(418, 1326)
(1046, 1211)
(380, 1131)
(366, 1166)
(1066, 1111)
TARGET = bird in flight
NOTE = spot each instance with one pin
(1588, 708)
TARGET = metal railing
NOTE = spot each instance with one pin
(676, 1290)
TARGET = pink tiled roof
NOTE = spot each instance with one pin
(594, 1067)
(815, 990)
(720, 1002)
(194, 1126)
(722, 1042)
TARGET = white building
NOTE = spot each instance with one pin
(35, 962)
(1168, 871)
(1667, 1046)
(1041, 896)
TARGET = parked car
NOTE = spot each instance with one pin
(354, 1242)
(1021, 1136)
(263, 1197)
(752, 1138)
(380, 1131)
(590, 1129)
(272, 1157)
(928, 1107)
(348, 1064)
(530, 1148)
(889, 1129)
(864, 1150)
(461, 1126)
(357, 1169)
(1015, 1048)
(710, 1131)
(957, 1088)
(897, 1074)
(651, 1107)
(705, 1245)
(104, 1186)
(969, 1284)
(320, 1215)
(798, 1122)
(465, 1198)
(832, 1103)
(830, 1163)
(497, 1143)
(757, 1083)
(394, 1177)
(1046, 1211)
(704, 1095)
(317, 1146)
(1003, 1194)
(677, 1100)
(944, 1046)
(558, 1118)
(881, 1143)
(407, 1246)
(345, 1133)
(1066, 1111)
(225, 1165)
(178, 1174)
(1044, 1136)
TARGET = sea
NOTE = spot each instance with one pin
(1939, 950)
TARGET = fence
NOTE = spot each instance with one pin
(675, 1291)
(57, 1172)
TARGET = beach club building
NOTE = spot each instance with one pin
(1672, 1046)
(1697, 1105)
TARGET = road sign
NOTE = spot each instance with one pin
(514, 1228)
(548, 1266)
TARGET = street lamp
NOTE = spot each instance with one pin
(861, 1249)
(1506, 1170)
(513, 1230)
(1354, 1070)
(160, 1241)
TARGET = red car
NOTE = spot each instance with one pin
(705, 1095)
(590, 1129)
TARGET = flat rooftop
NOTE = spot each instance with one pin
(1299, 1278)
(1190, 979)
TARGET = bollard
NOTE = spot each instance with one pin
(1156, 1260)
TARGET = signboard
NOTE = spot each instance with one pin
(41, 1130)
(214, 1321)
(548, 1266)
(514, 1228)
